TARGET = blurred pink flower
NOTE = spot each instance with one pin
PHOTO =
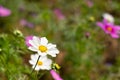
(24, 22)
(89, 3)
(27, 40)
(59, 14)
(87, 34)
(30, 25)
(55, 75)
(109, 28)
(4, 12)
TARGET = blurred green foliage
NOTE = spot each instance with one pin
(87, 53)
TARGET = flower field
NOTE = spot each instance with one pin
(59, 40)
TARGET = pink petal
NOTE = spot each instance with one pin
(89, 3)
(114, 35)
(117, 27)
(59, 14)
(55, 75)
(105, 21)
(4, 12)
(23, 22)
(100, 24)
(27, 40)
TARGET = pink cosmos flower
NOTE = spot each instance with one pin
(59, 14)
(89, 3)
(30, 25)
(27, 40)
(109, 28)
(4, 11)
(24, 22)
(55, 75)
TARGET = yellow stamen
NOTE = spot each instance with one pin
(43, 48)
(39, 63)
(57, 66)
(109, 29)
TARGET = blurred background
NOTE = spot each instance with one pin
(86, 52)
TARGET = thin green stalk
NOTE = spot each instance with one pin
(35, 65)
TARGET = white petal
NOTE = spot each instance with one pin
(108, 17)
(32, 48)
(37, 68)
(46, 67)
(33, 43)
(36, 40)
(42, 54)
(43, 58)
(36, 57)
(33, 56)
(31, 62)
(48, 62)
(53, 55)
(33, 59)
(44, 41)
(49, 46)
(53, 52)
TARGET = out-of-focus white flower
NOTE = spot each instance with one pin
(42, 47)
(108, 17)
(43, 63)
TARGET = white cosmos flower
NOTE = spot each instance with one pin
(42, 46)
(108, 17)
(43, 63)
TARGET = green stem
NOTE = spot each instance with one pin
(35, 65)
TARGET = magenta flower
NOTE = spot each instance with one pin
(59, 14)
(27, 40)
(4, 12)
(55, 75)
(109, 28)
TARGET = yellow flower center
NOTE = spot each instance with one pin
(109, 29)
(39, 63)
(43, 48)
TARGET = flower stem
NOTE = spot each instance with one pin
(34, 67)
(35, 64)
